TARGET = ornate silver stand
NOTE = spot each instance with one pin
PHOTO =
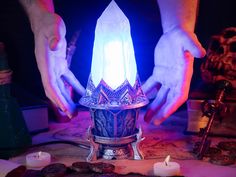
(115, 141)
(114, 134)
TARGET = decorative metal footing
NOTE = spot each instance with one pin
(114, 133)
(115, 148)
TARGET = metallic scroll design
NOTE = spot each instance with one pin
(114, 123)
(138, 155)
(93, 147)
(104, 97)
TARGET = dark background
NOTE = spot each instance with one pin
(15, 32)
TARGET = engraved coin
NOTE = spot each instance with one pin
(81, 167)
(108, 175)
(222, 160)
(212, 151)
(227, 145)
(101, 167)
(54, 170)
(17, 172)
(33, 173)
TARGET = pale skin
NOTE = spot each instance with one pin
(50, 51)
(174, 54)
(173, 58)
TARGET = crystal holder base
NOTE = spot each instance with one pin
(114, 133)
(115, 148)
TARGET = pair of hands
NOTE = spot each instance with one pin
(171, 76)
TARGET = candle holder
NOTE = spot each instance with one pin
(113, 94)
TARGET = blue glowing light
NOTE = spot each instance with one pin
(113, 53)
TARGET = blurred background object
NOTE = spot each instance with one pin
(219, 65)
(14, 135)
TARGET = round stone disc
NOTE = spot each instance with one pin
(54, 170)
(81, 167)
(212, 151)
(101, 167)
(17, 172)
(227, 145)
(222, 160)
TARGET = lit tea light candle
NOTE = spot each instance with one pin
(166, 168)
(38, 159)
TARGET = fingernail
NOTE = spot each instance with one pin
(69, 115)
(65, 113)
(53, 43)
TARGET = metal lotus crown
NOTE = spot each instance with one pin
(123, 97)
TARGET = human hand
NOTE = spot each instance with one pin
(50, 50)
(174, 55)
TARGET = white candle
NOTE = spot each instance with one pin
(38, 159)
(166, 168)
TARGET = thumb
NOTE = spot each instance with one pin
(57, 43)
(53, 43)
(192, 45)
(56, 32)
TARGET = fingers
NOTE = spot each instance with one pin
(50, 51)
(157, 104)
(165, 104)
(149, 85)
(54, 93)
(66, 91)
(171, 95)
(173, 70)
(71, 80)
(173, 102)
(50, 69)
(59, 92)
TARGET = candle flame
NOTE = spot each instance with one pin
(167, 159)
(39, 154)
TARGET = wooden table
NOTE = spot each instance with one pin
(167, 139)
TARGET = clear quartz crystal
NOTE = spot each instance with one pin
(113, 58)
(114, 82)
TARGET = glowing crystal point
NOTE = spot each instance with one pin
(113, 82)
(113, 58)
